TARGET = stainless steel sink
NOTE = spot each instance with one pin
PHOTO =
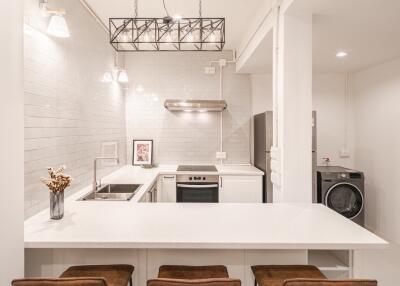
(112, 192)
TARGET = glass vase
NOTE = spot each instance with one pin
(56, 205)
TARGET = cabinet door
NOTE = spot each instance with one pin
(240, 189)
(168, 189)
(145, 198)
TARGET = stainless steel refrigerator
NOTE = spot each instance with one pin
(263, 134)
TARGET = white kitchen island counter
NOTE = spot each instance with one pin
(197, 226)
(128, 224)
(148, 235)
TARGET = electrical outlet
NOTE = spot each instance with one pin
(209, 70)
(344, 153)
(221, 155)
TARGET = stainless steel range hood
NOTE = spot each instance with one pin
(195, 105)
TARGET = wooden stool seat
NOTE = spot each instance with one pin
(324, 282)
(192, 272)
(115, 275)
(60, 282)
(275, 275)
(180, 275)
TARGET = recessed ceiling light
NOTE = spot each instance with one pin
(341, 54)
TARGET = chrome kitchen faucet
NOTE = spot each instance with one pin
(97, 185)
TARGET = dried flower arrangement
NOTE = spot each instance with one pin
(58, 181)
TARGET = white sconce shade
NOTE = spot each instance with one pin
(107, 77)
(123, 76)
(58, 26)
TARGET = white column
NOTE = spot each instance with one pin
(292, 151)
(11, 143)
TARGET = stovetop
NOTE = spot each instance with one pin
(197, 168)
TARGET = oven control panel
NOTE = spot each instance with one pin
(197, 179)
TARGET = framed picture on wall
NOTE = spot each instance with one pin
(142, 152)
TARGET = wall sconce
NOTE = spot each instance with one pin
(57, 25)
(107, 77)
(120, 75)
(123, 76)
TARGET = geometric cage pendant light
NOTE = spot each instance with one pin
(167, 34)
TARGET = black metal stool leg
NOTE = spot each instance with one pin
(130, 282)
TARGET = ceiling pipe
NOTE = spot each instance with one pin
(95, 16)
(254, 34)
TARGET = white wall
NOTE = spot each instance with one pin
(261, 92)
(329, 101)
(68, 110)
(186, 137)
(261, 100)
(377, 152)
(11, 143)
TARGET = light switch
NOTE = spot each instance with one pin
(209, 70)
(221, 155)
(344, 153)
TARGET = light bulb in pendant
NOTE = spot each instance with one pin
(213, 37)
(147, 36)
(190, 37)
(125, 36)
(169, 37)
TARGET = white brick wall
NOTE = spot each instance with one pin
(68, 110)
(186, 137)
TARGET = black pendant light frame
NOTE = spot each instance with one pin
(167, 34)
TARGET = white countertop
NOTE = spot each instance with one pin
(112, 224)
(137, 175)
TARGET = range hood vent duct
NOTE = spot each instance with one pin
(195, 105)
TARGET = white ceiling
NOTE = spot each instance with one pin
(368, 30)
(237, 12)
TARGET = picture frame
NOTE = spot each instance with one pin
(142, 153)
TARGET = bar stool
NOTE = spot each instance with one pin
(114, 275)
(180, 275)
(60, 282)
(316, 282)
(276, 275)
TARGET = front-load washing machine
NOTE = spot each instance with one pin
(342, 190)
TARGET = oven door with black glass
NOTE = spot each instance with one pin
(203, 192)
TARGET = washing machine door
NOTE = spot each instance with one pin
(346, 199)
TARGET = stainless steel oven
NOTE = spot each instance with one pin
(197, 188)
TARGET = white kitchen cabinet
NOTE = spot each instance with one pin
(150, 196)
(240, 189)
(168, 189)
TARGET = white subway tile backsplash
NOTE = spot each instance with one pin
(68, 110)
(182, 137)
